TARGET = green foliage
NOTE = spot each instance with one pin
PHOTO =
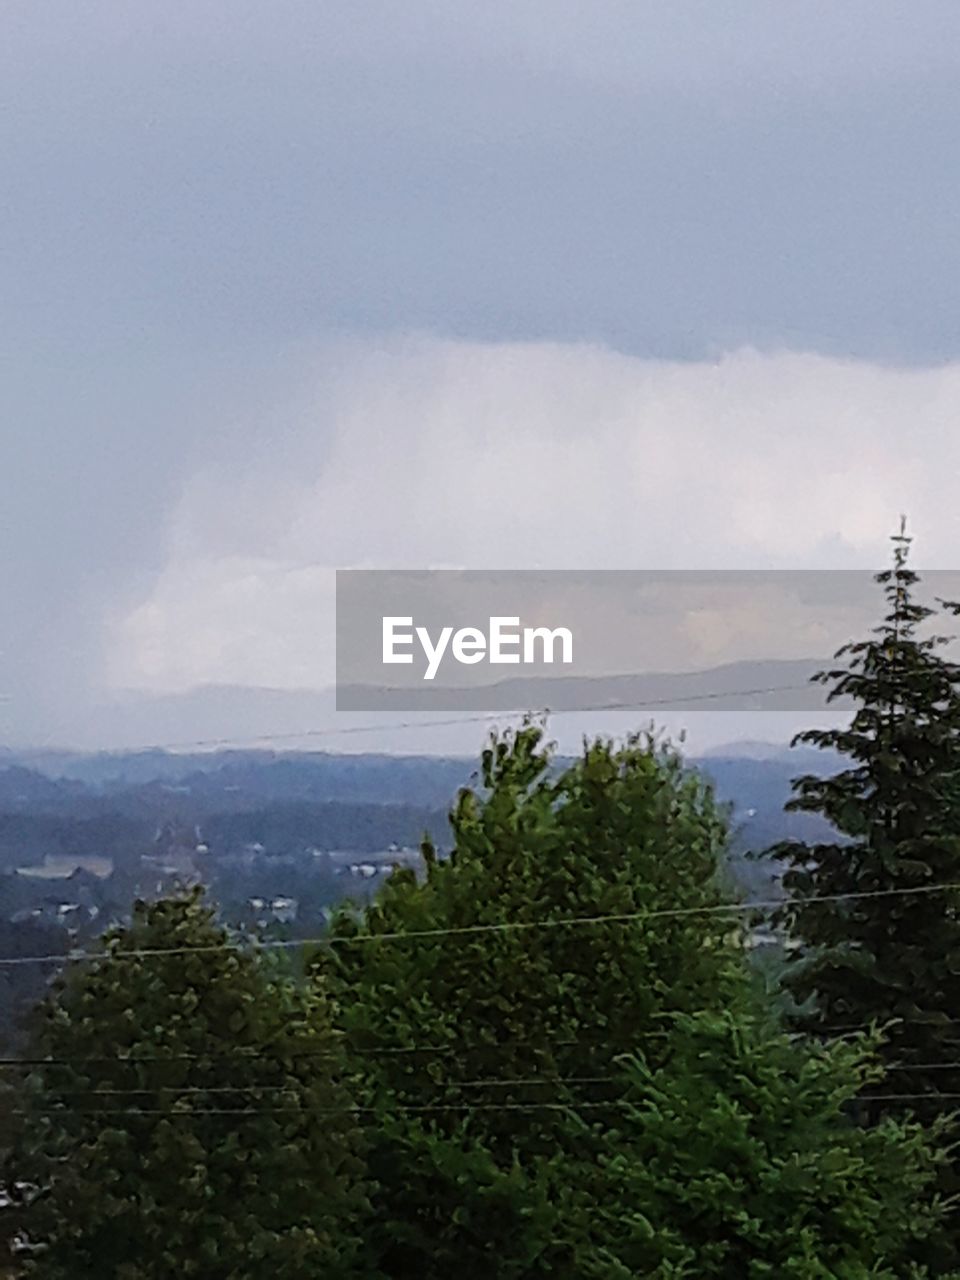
(483, 1044)
(581, 1100)
(447, 1207)
(559, 1059)
(893, 959)
(189, 1115)
(525, 981)
(737, 1160)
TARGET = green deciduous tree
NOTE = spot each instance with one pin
(568, 1070)
(538, 945)
(187, 1114)
(492, 1005)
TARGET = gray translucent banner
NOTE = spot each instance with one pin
(471, 640)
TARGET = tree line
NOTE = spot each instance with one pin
(549, 1055)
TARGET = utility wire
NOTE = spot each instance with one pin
(467, 1107)
(425, 1109)
(32, 1064)
(905, 1097)
(486, 1083)
(263, 1055)
(505, 926)
(491, 1082)
(240, 1053)
(484, 717)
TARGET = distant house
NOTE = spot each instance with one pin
(278, 910)
(56, 866)
(367, 865)
(284, 910)
(174, 853)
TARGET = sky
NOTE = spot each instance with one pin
(292, 287)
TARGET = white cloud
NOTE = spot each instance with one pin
(440, 453)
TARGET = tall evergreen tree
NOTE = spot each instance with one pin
(187, 1115)
(735, 1160)
(893, 958)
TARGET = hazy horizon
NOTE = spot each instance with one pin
(243, 717)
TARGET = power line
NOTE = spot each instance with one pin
(906, 1097)
(466, 1108)
(417, 1109)
(504, 926)
(491, 1082)
(263, 1055)
(32, 1064)
(923, 1066)
(335, 731)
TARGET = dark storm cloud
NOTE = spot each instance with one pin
(665, 178)
(191, 189)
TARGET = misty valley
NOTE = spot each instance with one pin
(278, 839)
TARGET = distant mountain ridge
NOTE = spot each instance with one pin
(222, 715)
(771, 684)
(123, 792)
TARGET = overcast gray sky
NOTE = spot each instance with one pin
(293, 285)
